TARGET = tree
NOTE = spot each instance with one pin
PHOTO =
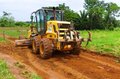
(112, 10)
(95, 10)
(6, 20)
(83, 20)
(6, 14)
(101, 15)
(69, 15)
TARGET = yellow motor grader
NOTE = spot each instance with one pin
(49, 32)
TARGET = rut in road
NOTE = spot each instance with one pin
(86, 65)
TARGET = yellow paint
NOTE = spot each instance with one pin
(52, 32)
(29, 33)
(67, 47)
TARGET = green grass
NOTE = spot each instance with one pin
(2, 39)
(27, 74)
(103, 41)
(14, 32)
(13, 28)
(4, 71)
(34, 76)
(107, 42)
(6, 74)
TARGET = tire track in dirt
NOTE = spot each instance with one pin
(71, 65)
(71, 71)
(75, 74)
(101, 62)
(38, 64)
(91, 69)
(68, 66)
(56, 70)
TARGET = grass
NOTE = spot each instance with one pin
(14, 32)
(6, 74)
(27, 74)
(2, 39)
(13, 28)
(104, 41)
(4, 71)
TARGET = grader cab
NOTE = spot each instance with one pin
(49, 32)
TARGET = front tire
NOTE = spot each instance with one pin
(35, 46)
(45, 48)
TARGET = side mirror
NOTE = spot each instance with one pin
(31, 18)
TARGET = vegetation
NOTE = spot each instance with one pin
(8, 21)
(2, 39)
(14, 31)
(29, 75)
(26, 73)
(4, 71)
(20, 23)
(97, 15)
(6, 74)
(104, 41)
(69, 15)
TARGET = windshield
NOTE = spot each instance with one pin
(50, 15)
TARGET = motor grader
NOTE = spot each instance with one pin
(48, 32)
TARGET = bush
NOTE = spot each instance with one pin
(117, 29)
(6, 21)
(20, 23)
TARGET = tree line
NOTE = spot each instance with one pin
(8, 21)
(96, 15)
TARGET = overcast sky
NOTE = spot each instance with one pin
(21, 9)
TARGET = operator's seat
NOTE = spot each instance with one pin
(52, 18)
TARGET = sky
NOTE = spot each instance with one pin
(22, 9)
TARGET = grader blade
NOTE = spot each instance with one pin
(22, 42)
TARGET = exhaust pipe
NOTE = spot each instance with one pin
(54, 13)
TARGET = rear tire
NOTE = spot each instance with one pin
(45, 48)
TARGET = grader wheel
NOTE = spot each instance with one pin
(45, 48)
(35, 46)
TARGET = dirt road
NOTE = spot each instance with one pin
(86, 65)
